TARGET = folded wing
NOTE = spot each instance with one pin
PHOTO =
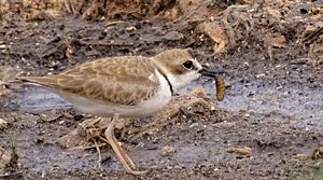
(124, 81)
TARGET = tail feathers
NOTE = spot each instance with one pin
(7, 83)
(35, 81)
(45, 81)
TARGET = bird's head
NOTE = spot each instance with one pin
(180, 67)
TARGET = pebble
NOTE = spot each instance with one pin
(3, 124)
(131, 28)
(167, 150)
(261, 75)
(243, 151)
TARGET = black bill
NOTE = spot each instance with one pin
(210, 72)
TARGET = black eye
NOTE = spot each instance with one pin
(188, 64)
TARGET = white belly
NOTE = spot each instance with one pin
(156, 103)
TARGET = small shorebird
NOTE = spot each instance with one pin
(127, 86)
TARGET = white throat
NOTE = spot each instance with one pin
(180, 81)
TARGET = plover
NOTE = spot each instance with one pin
(126, 86)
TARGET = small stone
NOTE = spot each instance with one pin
(199, 92)
(61, 122)
(301, 156)
(131, 28)
(261, 75)
(4, 90)
(50, 116)
(3, 124)
(5, 158)
(78, 117)
(243, 151)
(317, 153)
(167, 150)
(194, 125)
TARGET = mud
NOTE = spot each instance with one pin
(273, 103)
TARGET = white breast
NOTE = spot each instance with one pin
(156, 103)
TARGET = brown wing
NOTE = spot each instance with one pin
(120, 80)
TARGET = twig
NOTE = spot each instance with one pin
(88, 147)
(5, 175)
(99, 153)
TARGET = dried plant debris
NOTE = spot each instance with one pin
(238, 23)
(3, 124)
(4, 90)
(311, 33)
(241, 151)
(217, 34)
(5, 158)
(234, 25)
(274, 40)
(317, 153)
(7, 73)
(92, 129)
(199, 92)
(167, 150)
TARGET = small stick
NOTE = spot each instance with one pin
(99, 153)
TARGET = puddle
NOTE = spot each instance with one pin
(299, 102)
(34, 100)
(295, 101)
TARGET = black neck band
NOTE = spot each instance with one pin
(170, 85)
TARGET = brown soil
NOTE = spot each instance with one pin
(268, 127)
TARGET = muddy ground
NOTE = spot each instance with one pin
(273, 108)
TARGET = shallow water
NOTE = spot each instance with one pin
(295, 101)
(299, 103)
(35, 99)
